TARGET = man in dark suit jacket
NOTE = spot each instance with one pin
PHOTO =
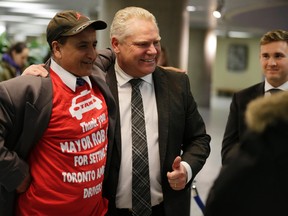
(180, 130)
(28, 110)
(236, 125)
(274, 62)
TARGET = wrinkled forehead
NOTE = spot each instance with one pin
(141, 29)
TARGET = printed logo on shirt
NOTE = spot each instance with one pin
(83, 103)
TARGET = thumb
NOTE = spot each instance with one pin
(176, 163)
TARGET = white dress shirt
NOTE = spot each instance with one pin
(124, 190)
(267, 87)
(68, 78)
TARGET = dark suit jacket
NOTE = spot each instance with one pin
(236, 125)
(25, 109)
(180, 128)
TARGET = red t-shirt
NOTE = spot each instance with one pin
(67, 165)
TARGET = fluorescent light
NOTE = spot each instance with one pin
(13, 18)
(44, 13)
(191, 8)
(38, 21)
(238, 34)
(23, 19)
(27, 29)
(30, 6)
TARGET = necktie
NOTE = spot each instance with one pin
(274, 90)
(80, 81)
(141, 198)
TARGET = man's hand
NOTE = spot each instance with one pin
(178, 177)
(24, 185)
(36, 70)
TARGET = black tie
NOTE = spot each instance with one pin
(141, 198)
(274, 90)
(80, 81)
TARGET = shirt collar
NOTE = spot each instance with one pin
(67, 78)
(268, 86)
(123, 78)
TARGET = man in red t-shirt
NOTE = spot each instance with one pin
(54, 130)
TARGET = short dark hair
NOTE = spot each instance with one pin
(17, 47)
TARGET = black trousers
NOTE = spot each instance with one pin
(157, 210)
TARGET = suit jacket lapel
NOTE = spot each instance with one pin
(112, 83)
(259, 91)
(37, 117)
(162, 100)
(98, 77)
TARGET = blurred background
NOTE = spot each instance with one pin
(215, 41)
(219, 52)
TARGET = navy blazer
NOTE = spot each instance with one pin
(236, 126)
(25, 109)
(180, 128)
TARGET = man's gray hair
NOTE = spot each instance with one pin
(122, 19)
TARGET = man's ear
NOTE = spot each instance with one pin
(115, 45)
(56, 49)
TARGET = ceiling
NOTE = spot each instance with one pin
(29, 18)
(252, 17)
(24, 18)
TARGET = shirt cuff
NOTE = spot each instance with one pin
(188, 169)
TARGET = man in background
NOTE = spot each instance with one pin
(274, 62)
(14, 61)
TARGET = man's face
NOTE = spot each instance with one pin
(274, 62)
(78, 54)
(137, 55)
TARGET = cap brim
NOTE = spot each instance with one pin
(96, 24)
(99, 24)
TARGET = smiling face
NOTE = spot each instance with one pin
(274, 62)
(78, 53)
(137, 54)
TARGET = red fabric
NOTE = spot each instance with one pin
(67, 165)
